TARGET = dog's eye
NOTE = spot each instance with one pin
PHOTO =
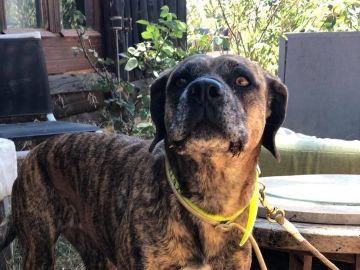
(242, 81)
(181, 82)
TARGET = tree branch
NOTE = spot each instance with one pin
(231, 30)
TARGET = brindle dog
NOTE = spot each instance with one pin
(109, 196)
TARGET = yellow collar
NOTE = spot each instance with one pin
(216, 219)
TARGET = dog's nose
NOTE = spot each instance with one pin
(205, 90)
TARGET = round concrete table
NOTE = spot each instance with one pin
(325, 209)
(8, 174)
(8, 167)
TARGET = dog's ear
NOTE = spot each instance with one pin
(157, 106)
(277, 103)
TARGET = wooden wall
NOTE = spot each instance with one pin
(60, 57)
(58, 42)
(58, 46)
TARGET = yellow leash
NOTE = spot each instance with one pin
(220, 222)
(226, 223)
(216, 220)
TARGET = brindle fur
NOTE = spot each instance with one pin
(109, 196)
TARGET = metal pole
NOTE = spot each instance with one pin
(124, 25)
(117, 55)
(126, 47)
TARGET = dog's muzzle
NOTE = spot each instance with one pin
(208, 110)
(205, 97)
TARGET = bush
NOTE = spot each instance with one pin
(255, 26)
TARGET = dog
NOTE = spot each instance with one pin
(109, 196)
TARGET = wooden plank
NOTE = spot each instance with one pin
(89, 12)
(347, 258)
(181, 10)
(67, 65)
(63, 46)
(67, 41)
(2, 16)
(307, 262)
(181, 14)
(153, 9)
(54, 16)
(53, 54)
(73, 33)
(143, 11)
(294, 262)
(59, 54)
(160, 3)
(45, 15)
(172, 5)
(38, 13)
(44, 33)
(327, 238)
(97, 16)
(300, 262)
(57, 17)
(107, 32)
(135, 16)
(58, 51)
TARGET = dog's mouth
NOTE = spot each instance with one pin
(205, 138)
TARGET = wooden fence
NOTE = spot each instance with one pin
(135, 9)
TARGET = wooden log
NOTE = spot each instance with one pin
(97, 117)
(75, 103)
(143, 85)
(68, 83)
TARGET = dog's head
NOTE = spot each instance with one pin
(222, 104)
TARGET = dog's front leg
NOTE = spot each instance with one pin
(232, 259)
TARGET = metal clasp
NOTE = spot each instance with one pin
(274, 214)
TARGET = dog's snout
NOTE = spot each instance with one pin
(205, 90)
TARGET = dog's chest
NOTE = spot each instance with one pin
(202, 267)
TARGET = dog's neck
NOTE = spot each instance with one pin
(219, 183)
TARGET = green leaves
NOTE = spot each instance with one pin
(181, 26)
(144, 22)
(255, 26)
(158, 51)
(152, 32)
(132, 50)
(131, 64)
(164, 11)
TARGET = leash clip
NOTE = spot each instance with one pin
(274, 214)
